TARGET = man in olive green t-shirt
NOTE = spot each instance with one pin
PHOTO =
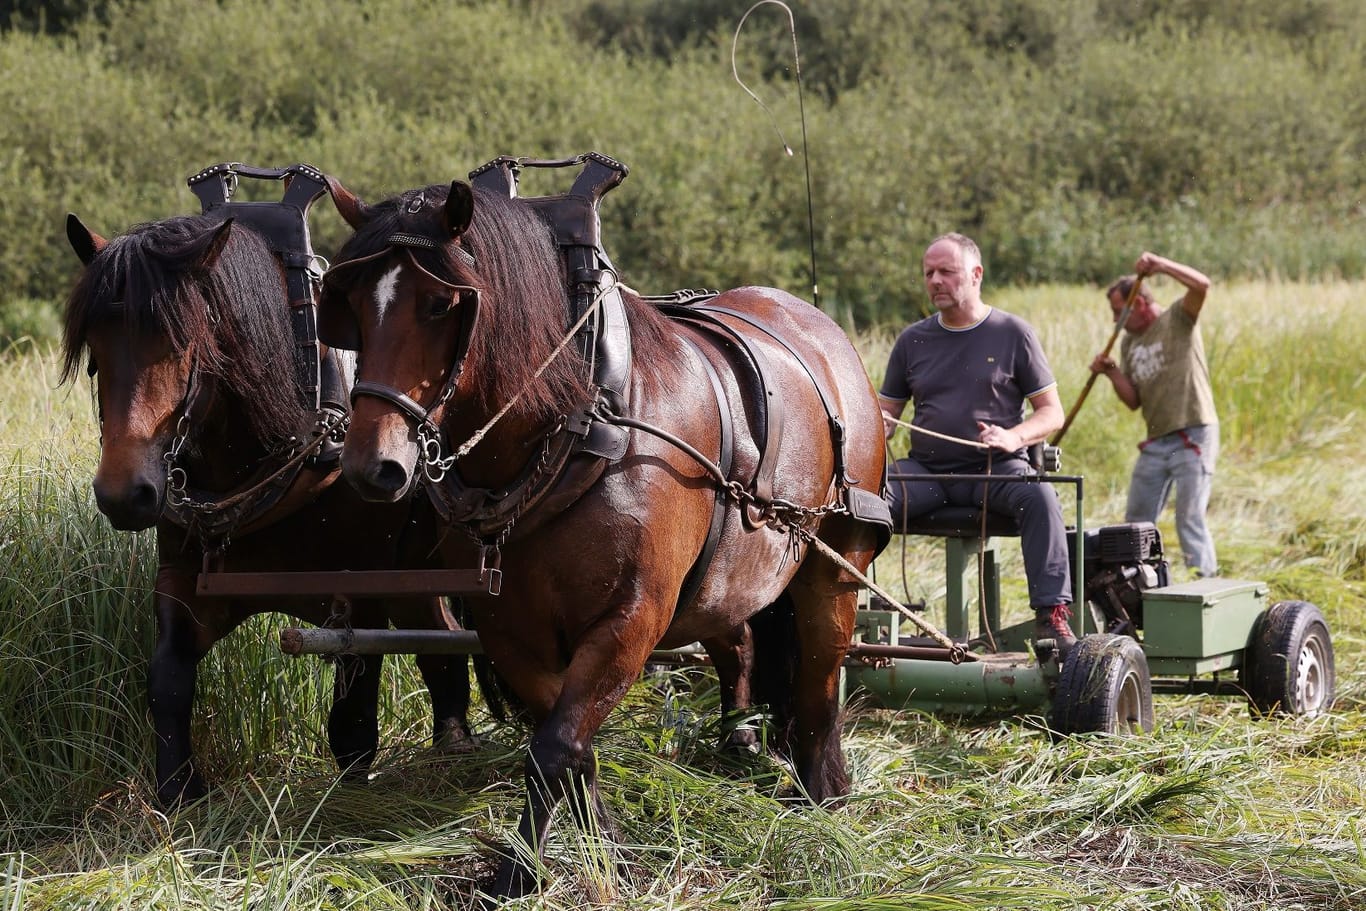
(1162, 369)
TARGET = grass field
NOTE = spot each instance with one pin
(1212, 811)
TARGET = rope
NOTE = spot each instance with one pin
(958, 654)
(976, 444)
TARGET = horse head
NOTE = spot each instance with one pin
(157, 314)
(417, 290)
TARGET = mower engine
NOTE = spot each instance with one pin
(1121, 562)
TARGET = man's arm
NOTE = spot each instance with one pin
(1045, 418)
(1124, 388)
(1196, 282)
(891, 408)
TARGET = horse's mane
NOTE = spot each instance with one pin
(233, 314)
(521, 275)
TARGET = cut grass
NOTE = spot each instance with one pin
(1213, 811)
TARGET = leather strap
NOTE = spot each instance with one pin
(768, 404)
(692, 583)
(837, 433)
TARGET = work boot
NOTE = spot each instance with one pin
(1051, 623)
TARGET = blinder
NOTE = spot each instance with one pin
(337, 325)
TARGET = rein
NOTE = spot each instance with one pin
(545, 364)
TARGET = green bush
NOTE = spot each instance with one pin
(1066, 137)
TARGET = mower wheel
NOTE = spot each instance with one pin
(1104, 687)
(1289, 666)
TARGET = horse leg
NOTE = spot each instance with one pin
(825, 600)
(353, 721)
(561, 761)
(171, 680)
(448, 681)
(732, 655)
(447, 677)
(184, 636)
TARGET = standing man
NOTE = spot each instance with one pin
(968, 371)
(1162, 369)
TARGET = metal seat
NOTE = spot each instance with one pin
(964, 544)
(966, 539)
(958, 522)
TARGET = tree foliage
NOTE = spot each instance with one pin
(1065, 135)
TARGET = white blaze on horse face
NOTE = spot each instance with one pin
(385, 289)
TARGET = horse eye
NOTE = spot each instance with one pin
(438, 304)
(91, 368)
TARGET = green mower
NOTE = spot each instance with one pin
(1137, 635)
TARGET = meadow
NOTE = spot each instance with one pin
(1213, 810)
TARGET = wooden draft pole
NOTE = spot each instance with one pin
(1091, 381)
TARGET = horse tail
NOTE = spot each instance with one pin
(499, 698)
(502, 703)
(775, 669)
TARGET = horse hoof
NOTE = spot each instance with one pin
(457, 743)
(514, 880)
(181, 791)
(742, 742)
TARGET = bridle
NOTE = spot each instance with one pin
(430, 436)
(424, 417)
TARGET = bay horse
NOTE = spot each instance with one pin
(186, 326)
(456, 299)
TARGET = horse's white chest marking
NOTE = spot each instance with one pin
(385, 289)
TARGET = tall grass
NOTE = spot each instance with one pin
(1212, 811)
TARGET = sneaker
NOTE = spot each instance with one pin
(1051, 623)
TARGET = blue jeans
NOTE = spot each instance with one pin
(1184, 458)
(1043, 534)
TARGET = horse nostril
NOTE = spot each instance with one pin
(131, 508)
(389, 476)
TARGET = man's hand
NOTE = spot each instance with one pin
(891, 414)
(889, 426)
(1103, 364)
(1000, 438)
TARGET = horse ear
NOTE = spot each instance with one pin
(459, 210)
(85, 242)
(214, 249)
(354, 212)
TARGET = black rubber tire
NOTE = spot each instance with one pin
(1104, 687)
(1289, 667)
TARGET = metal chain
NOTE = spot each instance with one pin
(528, 489)
(177, 481)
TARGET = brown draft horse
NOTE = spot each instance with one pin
(187, 328)
(592, 586)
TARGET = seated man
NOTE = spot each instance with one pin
(968, 370)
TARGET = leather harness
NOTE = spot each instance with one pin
(320, 379)
(575, 453)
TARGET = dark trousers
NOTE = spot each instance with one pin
(1035, 506)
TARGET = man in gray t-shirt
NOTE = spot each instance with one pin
(968, 372)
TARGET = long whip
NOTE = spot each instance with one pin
(801, 107)
(1091, 381)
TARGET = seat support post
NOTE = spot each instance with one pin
(960, 576)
